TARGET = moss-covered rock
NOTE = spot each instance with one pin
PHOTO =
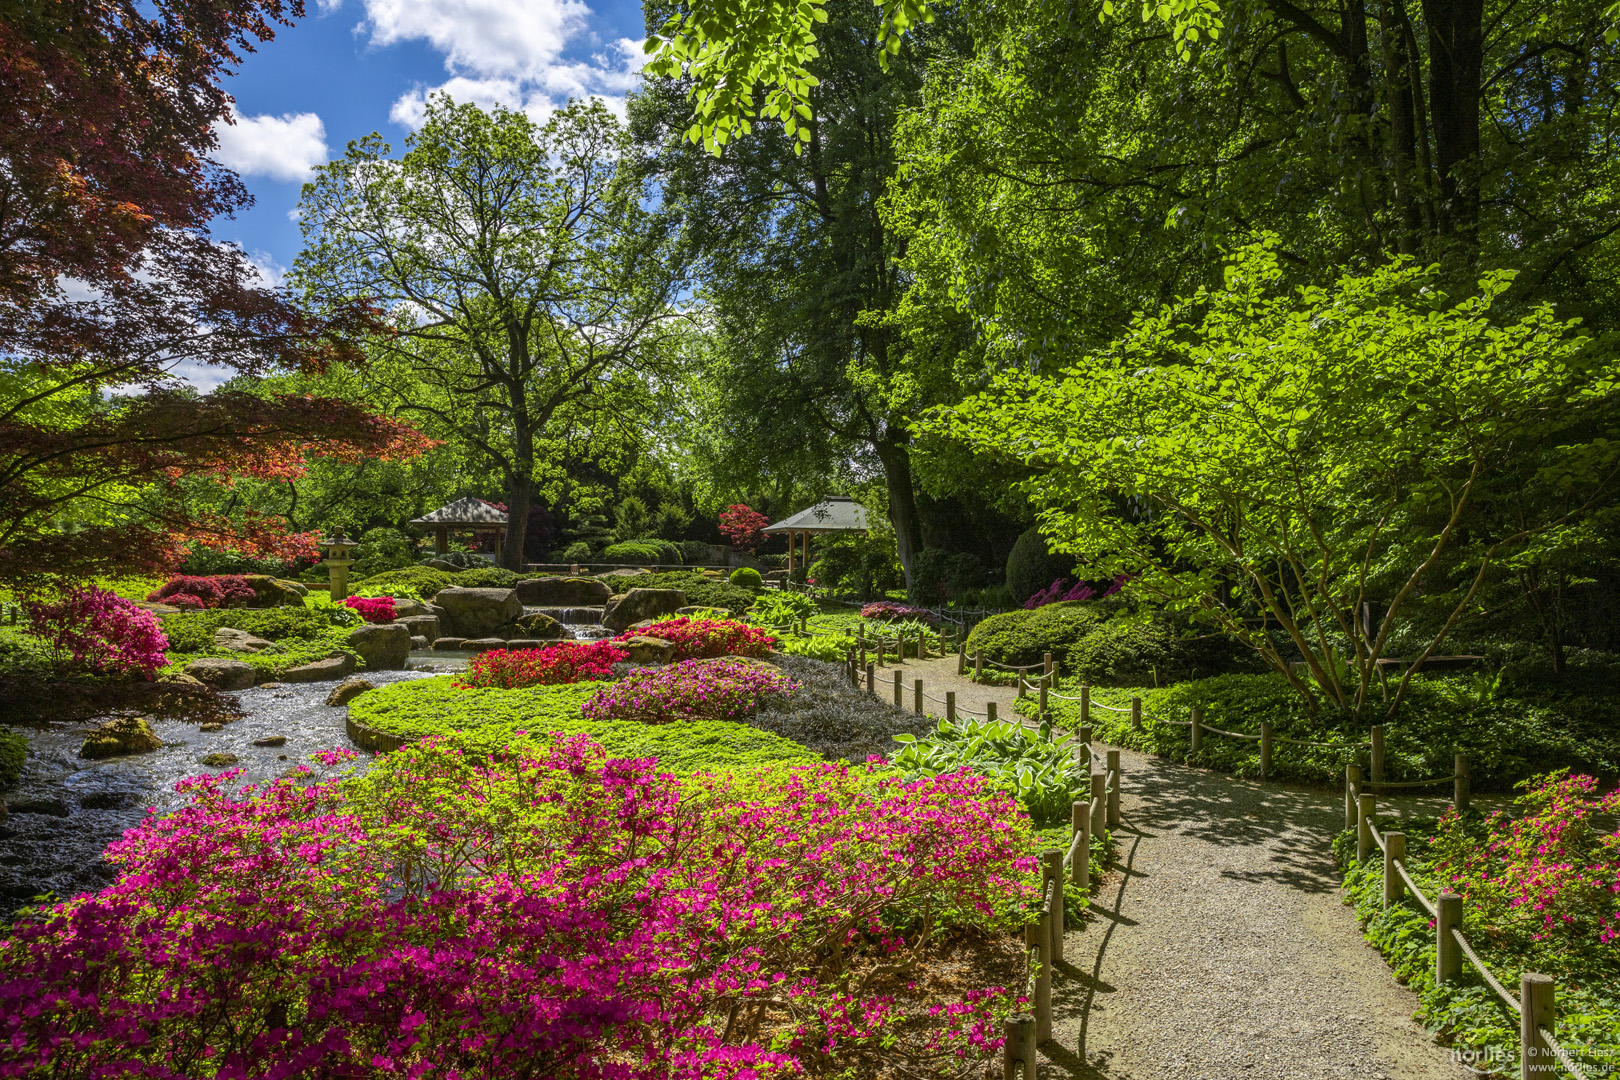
(126, 735)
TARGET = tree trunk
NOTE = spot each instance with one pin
(1402, 128)
(519, 497)
(1456, 57)
(896, 458)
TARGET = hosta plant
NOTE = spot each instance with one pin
(781, 608)
(1028, 763)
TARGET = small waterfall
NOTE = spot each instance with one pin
(569, 615)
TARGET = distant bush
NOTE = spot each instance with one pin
(700, 591)
(418, 582)
(652, 552)
(747, 577)
(889, 611)
(1063, 589)
(565, 662)
(1153, 650)
(1024, 637)
(1031, 568)
(938, 575)
(577, 552)
(382, 549)
(485, 577)
(462, 559)
(693, 551)
(220, 590)
(689, 690)
(699, 639)
(93, 630)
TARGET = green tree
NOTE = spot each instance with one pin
(530, 286)
(1300, 468)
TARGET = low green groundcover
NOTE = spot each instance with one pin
(1506, 739)
(490, 718)
(700, 590)
(300, 635)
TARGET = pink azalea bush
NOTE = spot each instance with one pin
(373, 609)
(689, 690)
(1550, 874)
(889, 611)
(565, 662)
(698, 639)
(552, 912)
(98, 631)
(1061, 590)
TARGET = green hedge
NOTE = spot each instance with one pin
(1024, 637)
(700, 590)
(642, 551)
(485, 577)
(490, 719)
(193, 631)
(1505, 740)
(422, 582)
(1031, 568)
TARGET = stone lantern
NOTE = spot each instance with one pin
(335, 553)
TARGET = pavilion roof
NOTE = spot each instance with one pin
(840, 513)
(468, 511)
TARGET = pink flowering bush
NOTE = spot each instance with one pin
(565, 662)
(98, 631)
(689, 690)
(1061, 590)
(551, 912)
(698, 639)
(889, 611)
(373, 609)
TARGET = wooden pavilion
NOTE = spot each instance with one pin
(463, 515)
(838, 514)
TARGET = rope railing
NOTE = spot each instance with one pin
(1535, 1004)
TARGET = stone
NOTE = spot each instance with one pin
(418, 643)
(449, 644)
(540, 625)
(233, 640)
(624, 571)
(155, 608)
(384, 648)
(423, 625)
(180, 679)
(645, 623)
(437, 612)
(219, 761)
(476, 613)
(104, 800)
(223, 674)
(405, 608)
(270, 686)
(212, 725)
(690, 609)
(337, 666)
(639, 604)
(563, 592)
(642, 649)
(274, 592)
(347, 690)
(271, 740)
(48, 807)
(126, 735)
(484, 644)
(441, 564)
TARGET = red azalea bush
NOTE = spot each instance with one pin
(549, 912)
(373, 609)
(700, 639)
(1061, 590)
(216, 590)
(889, 611)
(743, 526)
(689, 690)
(565, 662)
(99, 631)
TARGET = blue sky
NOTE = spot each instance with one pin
(357, 66)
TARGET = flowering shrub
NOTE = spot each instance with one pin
(556, 913)
(698, 639)
(743, 526)
(373, 609)
(218, 590)
(689, 690)
(99, 631)
(889, 611)
(1062, 590)
(566, 662)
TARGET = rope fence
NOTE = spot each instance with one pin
(1535, 1003)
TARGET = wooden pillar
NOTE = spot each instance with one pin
(1447, 956)
(1080, 824)
(441, 540)
(1394, 855)
(1536, 1011)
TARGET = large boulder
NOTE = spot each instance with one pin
(406, 608)
(542, 626)
(449, 644)
(384, 648)
(420, 625)
(126, 735)
(476, 613)
(638, 605)
(233, 640)
(275, 592)
(484, 644)
(337, 666)
(642, 649)
(562, 592)
(223, 674)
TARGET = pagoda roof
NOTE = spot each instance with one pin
(468, 511)
(840, 513)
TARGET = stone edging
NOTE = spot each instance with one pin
(370, 739)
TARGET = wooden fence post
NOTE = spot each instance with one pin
(1394, 855)
(899, 690)
(1447, 956)
(1080, 825)
(1019, 1048)
(871, 678)
(1048, 669)
(1377, 753)
(1352, 788)
(1265, 749)
(961, 654)
(1099, 801)
(1366, 808)
(950, 706)
(1085, 737)
(1459, 784)
(917, 697)
(978, 666)
(1045, 685)
(1536, 1011)
(1052, 870)
(1195, 732)
(1036, 937)
(1085, 705)
(1021, 688)
(990, 711)
(1113, 789)
(1136, 714)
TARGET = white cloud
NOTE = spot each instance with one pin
(283, 147)
(271, 273)
(505, 52)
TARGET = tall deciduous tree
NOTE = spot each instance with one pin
(523, 272)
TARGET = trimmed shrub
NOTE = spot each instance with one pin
(746, 577)
(1031, 567)
(642, 551)
(700, 591)
(221, 590)
(417, 582)
(577, 552)
(689, 690)
(93, 630)
(486, 577)
(1153, 651)
(701, 639)
(694, 551)
(565, 662)
(378, 609)
(1024, 637)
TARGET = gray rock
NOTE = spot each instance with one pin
(437, 612)
(127, 735)
(484, 644)
(338, 666)
(272, 685)
(223, 674)
(271, 740)
(104, 800)
(562, 592)
(384, 648)
(49, 807)
(420, 625)
(234, 640)
(528, 643)
(406, 608)
(449, 644)
(638, 605)
(440, 564)
(212, 725)
(475, 613)
(347, 690)
(418, 643)
(219, 761)
(275, 592)
(642, 649)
